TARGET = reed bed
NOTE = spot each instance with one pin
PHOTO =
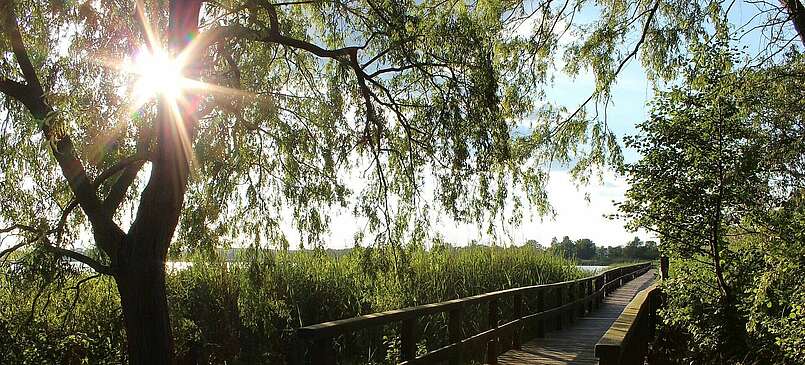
(245, 312)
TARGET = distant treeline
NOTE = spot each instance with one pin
(587, 251)
(584, 251)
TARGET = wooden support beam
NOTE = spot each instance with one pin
(559, 302)
(492, 323)
(455, 335)
(517, 307)
(408, 339)
(322, 351)
(541, 308)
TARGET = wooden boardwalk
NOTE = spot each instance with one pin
(575, 343)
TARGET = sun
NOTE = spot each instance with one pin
(158, 74)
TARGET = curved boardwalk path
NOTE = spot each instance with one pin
(575, 344)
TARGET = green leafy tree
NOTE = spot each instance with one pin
(650, 251)
(585, 249)
(615, 252)
(267, 106)
(565, 248)
(304, 96)
(713, 168)
(700, 170)
(632, 248)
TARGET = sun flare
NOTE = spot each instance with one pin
(158, 74)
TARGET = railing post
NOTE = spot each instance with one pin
(541, 308)
(599, 287)
(580, 290)
(518, 315)
(559, 302)
(584, 300)
(492, 323)
(323, 352)
(652, 313)
(663, 267)
(299, 349)
(588, 296)
(601, 282)
(612, 282)
(573, 293)
(455, 336)
(408, 339)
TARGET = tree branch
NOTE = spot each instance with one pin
(18, 91)
(106, 232)
(796, 13)
(118, 191)
(12, 30)
(92, 263)
(406, 67)
(11, 249)
(18, 226)
(86, 260)
(632, 54)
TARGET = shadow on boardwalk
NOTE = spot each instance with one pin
(575, 344)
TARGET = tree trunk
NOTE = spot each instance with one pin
(143, 298)
(140, 273)
(796, 12)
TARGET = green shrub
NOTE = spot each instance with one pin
(60, 323)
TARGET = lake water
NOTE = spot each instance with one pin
(592, 268)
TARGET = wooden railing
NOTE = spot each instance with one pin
(570, 299)
(626, 341)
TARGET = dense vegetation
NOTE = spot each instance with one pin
(129, 123)
(243, 312)
(299, 109)
(722, 182)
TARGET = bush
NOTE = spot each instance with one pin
(63, 322)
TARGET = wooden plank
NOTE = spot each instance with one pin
(576, 343)
(616, 341)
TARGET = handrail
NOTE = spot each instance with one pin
(595, 287)
(626, 341)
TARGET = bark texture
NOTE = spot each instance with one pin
(796, 13)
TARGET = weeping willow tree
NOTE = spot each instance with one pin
(126, 122)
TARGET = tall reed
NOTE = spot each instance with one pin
(245, 312)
